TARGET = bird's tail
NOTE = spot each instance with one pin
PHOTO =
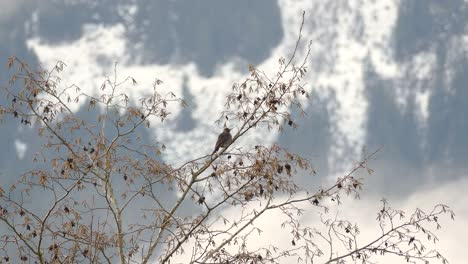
(214, 151)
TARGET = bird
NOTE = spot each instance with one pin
(224, 139)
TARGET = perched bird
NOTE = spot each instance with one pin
(224, 139)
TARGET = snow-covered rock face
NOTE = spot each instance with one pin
(132, 41)
(358, 49)
(386, 73)
(346, 35)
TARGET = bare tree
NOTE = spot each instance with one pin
(106, 192)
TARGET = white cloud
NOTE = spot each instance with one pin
(363, 213)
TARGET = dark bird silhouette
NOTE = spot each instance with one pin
(224, 139)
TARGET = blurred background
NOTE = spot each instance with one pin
(381, 73)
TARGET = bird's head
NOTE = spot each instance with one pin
(227, 129)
